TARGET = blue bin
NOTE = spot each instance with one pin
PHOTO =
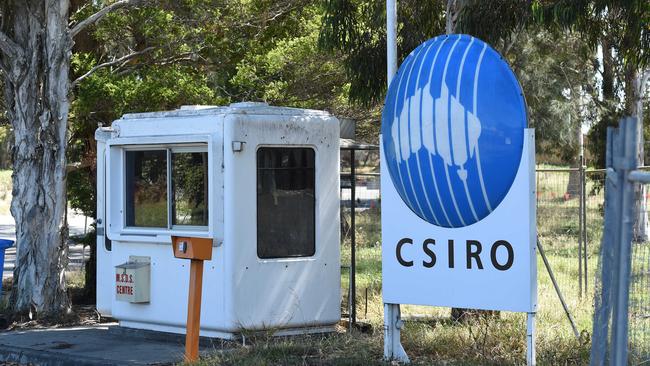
(4, 244)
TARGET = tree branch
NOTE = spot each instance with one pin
(10, 48)
(645, 77)
(72, 167)
(100, 14)
(120, 60)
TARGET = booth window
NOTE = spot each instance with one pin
(166, 188)
(286, 204)
(190, 188)
(146, 188)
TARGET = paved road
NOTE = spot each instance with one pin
(77, 255)
(102, 344)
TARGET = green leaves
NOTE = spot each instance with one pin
(203, 52)
(625, 23)
(357, 30)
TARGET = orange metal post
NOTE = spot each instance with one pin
(194, 311)
(197, 250)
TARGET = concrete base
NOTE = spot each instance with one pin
(215, 335)
(105, 344)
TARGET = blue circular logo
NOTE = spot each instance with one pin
(453, 130)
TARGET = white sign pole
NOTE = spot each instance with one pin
(532, 202)
(391, 39)
(393, 349)
(530, 340)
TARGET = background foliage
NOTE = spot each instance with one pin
(330, 54)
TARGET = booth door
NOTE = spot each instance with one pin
(282, 278)
(105, 271)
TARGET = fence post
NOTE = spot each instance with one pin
(353, 240)
(580, 228)
(621, 301)
(581, 218)
(613, 181)
(583, 201)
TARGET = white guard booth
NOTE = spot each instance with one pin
(261, 181)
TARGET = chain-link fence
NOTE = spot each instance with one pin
(569, 223)
(639, 297)
(621, 322)
(574, 250)
(360, 213)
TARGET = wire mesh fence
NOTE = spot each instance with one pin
(639, 297)
(621, 322)
(569, 225)
(572, 246)
(639, 322)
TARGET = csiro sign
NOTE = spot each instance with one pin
(453, 130)
(458, 209)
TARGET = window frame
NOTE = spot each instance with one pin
(170, 149)
(315, 200)
(170, 185)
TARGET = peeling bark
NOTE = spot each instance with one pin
(36, 91)
(35, 50)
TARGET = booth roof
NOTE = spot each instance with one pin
(234, 108)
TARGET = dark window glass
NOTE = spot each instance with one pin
(190, 188)
(146, 188)
(285, 202)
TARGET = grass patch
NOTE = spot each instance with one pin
(439, 341)
(337, 349)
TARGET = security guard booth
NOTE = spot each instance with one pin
(261, 182)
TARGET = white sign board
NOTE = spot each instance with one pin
(458, 189)
(489, 265)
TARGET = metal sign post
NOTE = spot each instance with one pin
(530, 340)
(393, 349)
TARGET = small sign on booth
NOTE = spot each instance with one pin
(132, 280)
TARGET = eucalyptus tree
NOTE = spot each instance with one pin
(36, 40)
(620, 28)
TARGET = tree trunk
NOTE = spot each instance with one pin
(36, 91)
(634, 88)
(608, 70)
(454, 8)
(573, 186)
(451, 17)
(453, 11)
(5, 147)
